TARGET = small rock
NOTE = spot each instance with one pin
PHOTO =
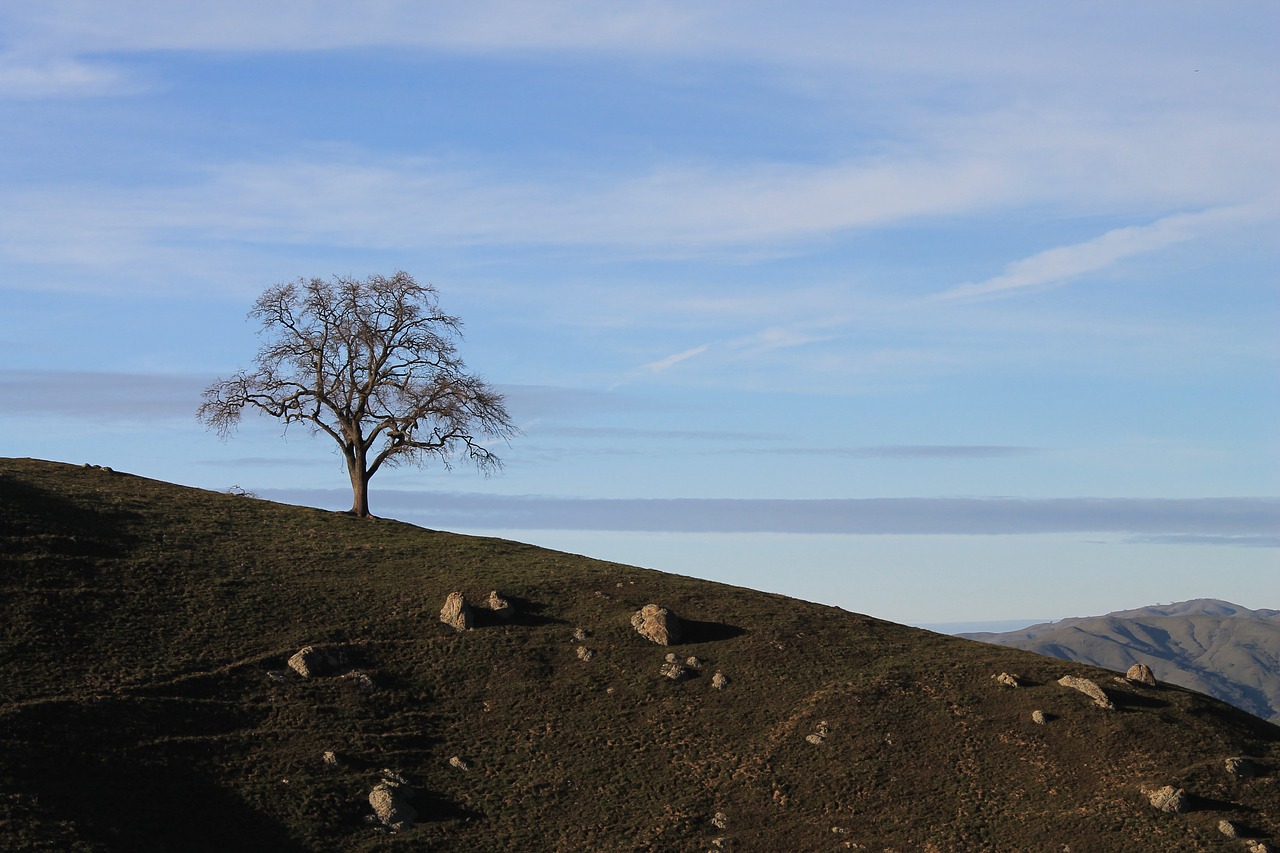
(362, 680)
(331, 760)
(815, 739)
(1260, 847)
(456, 613)
(1039, 718)
(584, 653)
(1008, 680)
(457, 762)
(720, 820)
(579, 635)
(389, 799)
(692, 662)
(1140, 673)
(1169, 799)
(500, 606)
(674, 671)
(1241, 768)
(671, 657)
(719, 680)
(1088, 688)
(1228, 829)
(310, 662)
(821, 729)
(657, 624)
(277, 676)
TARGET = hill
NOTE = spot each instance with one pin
(147, 704)
(1212, 646)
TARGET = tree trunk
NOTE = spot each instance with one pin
(359, 485)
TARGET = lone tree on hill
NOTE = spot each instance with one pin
(372, 364)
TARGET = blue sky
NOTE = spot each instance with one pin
(937, 312)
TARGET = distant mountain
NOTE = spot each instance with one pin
(1215, 647)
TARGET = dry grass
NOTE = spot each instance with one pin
(142, 621)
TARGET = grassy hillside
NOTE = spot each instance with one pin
(1206, 645)
(146, 704)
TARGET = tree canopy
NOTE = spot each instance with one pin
(374, 365)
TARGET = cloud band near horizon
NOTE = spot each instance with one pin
(1252, 521)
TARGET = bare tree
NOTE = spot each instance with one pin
(373, 364)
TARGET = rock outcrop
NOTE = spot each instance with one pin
(1140, 673)
(500, 606)
(1169, 799)
(1090, 689)
(657, 624)
(311, 662)
(456, 613)
(389, 799)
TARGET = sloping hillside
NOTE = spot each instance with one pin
(1211, 646)
(147, 704)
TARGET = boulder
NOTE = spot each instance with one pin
(389, 799)
(1229, 829)
(1088, 688)
(456, 613)
(500, 606)
(1039, 718)
(1241, 768)
(1169, 799)
(657, 624)
(1140, 673)
(310, 662)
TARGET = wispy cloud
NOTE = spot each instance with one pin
(1061, 264)
(1210, 520)
(100, 396)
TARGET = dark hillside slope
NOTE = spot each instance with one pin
(1211, 646)
(146, 704)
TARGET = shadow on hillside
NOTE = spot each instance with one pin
(88, 764)
(528, 614)
(56, 526)
(694, 631)
(1126, 699)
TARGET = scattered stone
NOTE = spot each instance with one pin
(500, 606)
(674, 671)
(362, 680)
(310, 662)
(1169, 799)
(693, 663)
(671, 658)
(1088, 688)
(719, 680)
(1241, 768)
(389, 799)
(720, 820)
(579, 635)
(458, 763)
(821, 729)
(815, 739)
(331, 760)
(1140, 673)
(657, 624)
(1260, 847)
(1039, 718)
(1229, 829)
(456, 613)
(277, 676)
(1008, 679)
(585, 654)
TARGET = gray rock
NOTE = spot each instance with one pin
(720, 820)
(331, 760)
(1007, 679)
(310, 662)
(657, 624)
(1169, 799)
(1140, 673)
(1088, 688)
(389, 799)
(585, 654)
(500, 606)
(674, 671)
(456, 613)
(1039, 718)
(1228, 829)
(362, 680)
(1241, 768)
(719, 680)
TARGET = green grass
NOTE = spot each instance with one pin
(142, 620)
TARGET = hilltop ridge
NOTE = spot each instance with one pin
(149, 703)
